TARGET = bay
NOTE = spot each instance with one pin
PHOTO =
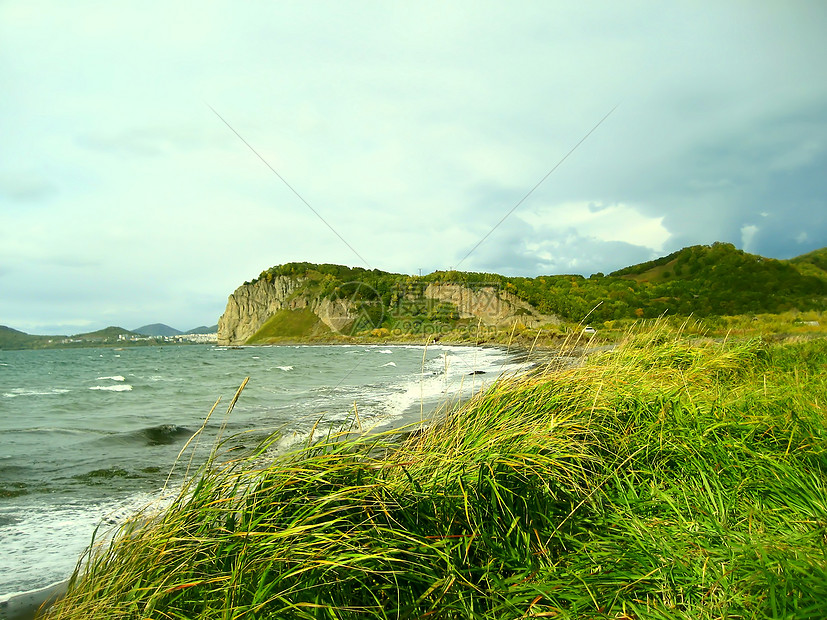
(88, 436)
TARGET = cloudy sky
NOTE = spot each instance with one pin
(411, 129)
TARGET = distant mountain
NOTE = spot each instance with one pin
(14, 339)
(158, 329)
(106, 334)
(203, 330)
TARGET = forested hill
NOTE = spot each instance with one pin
(702, 280)
(814, 262)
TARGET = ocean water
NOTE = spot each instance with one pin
(88, 436)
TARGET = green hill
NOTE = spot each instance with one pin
(702, 280)
(157, 329)
(812, 263)
(720, 279)
(14, 339)
(202, 329)
(290, 325)
(108, 334)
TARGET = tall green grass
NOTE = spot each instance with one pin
(664, 479)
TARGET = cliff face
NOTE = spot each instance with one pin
(251, 305)
(492, 306)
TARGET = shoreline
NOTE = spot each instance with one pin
(579, 447)
(25, 604)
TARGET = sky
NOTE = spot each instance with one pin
(156, 155)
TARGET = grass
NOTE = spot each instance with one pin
(662, 480)
(288, 324)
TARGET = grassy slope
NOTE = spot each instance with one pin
(812, 263)
(664, 480)
(290, 324)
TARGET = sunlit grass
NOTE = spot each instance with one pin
(664, 479)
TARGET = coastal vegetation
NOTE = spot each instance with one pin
(701, 281)
(717, 283)
(674, 476)
(290, 324)
(704, 282)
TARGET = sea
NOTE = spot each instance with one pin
(90, 436)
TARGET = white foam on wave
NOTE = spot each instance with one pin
(385, 351)
(163, 378)
(112, 388)
(421, 390)
(112, 378)
(285, 368)
(15, 392)
(287, 441)
(42, 543)
(459, 372)
(389, 364)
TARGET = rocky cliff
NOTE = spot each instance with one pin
(488, 304)
(253, 304)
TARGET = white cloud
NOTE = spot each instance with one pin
(604, 222)
(748, 232)
(412, 129)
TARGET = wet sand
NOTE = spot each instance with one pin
(25, 605)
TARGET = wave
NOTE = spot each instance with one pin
(15, 392)
(6, 520)
(112, 388)
(285, 368)
(17, 480)
(103, 474)
(456, 373)
(160, 435)
(164, 378)
(13, 489)
(389, 364)
(48, 540)
(163, 434)
(112, 378)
